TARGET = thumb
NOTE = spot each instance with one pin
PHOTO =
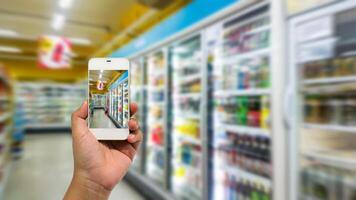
(79, 124)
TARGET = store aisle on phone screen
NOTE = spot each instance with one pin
(46, 169)
(101, 120)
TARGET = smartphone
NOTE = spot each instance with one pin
(109, 98)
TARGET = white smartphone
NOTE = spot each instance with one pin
(109, 98)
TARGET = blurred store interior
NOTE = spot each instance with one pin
(238, 99)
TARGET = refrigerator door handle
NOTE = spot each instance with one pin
(288, 103)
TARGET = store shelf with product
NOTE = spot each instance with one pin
(242, 106)
(325, 93)
(7, 142)
(156, 119)
(48, 106)
(187, 73)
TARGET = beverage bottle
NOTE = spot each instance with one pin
(254, 112)
(254, 191)
(242, 110)
(244, 77)
(265, 112)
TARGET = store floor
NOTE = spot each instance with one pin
(46, 168)
(101, 120)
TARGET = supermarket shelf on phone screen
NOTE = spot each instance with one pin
(245, 130)
(343, 160)
(331, 127)
(330, 80)
(248, 55)
(4, 116)
(4, 98)
(242, 92)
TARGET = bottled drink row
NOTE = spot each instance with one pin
(323, 182)
(251, 153)
(335, 67)
(189, 128)
(246, 37)
(337, 110)
(248, 74)
(245, 111)
(189, 105)
(236, 189)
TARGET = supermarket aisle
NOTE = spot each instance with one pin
(46, 169)
(101, 120)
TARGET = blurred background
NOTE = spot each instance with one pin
(244, 99)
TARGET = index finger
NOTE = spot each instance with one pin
(133, 108)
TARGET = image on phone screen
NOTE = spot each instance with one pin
(108, 99)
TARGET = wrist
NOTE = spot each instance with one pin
(83, 187)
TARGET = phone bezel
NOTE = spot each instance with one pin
(109, 64)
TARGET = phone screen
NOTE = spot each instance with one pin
(108, 99)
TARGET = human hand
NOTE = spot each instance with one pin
(99, 165)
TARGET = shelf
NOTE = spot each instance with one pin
(44, 125)
(155, 88)
(258, 30)
(245, 130)
(4, 116)
(248, 175)
(331, 127)
(247, 92)
(188, 95)
(189, 79)
(189, 139)
(248, 55)
(4, 98)
(189, 115)
(330, 80)
(334, 159)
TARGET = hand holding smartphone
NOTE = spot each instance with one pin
(109, 98)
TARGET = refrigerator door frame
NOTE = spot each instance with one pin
(297, 101)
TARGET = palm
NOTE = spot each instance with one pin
(105, 162)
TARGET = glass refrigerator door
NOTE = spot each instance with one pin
(136, 93)
(324, 55)
(241, 71)
(156, 77)
(187, 144)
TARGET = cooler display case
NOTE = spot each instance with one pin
(156, 117)
(323, 77)
(187, 156)
(137, 93)
(119, 107)
(242, 142)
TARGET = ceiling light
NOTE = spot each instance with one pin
(58, 21)
(101, 71)
(10, 49)
(80, 41)
(100, 76)
(8, 33)
(65, 4)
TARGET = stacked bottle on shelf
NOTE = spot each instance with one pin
(186, 99)
(243, 167)
(250, 73)
(324, 182)
(156, 120)
(251, 111)
(337, 109)
(335, 67)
